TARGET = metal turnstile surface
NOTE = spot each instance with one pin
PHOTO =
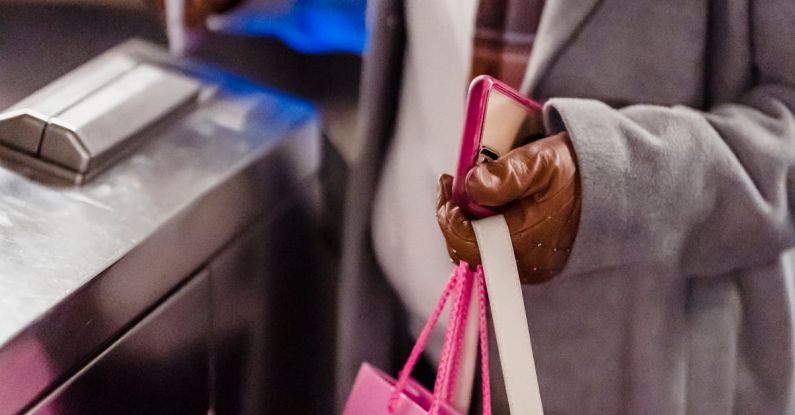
(82, 267)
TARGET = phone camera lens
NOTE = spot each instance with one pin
(487, 154)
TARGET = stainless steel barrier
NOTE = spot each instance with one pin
(167, 272)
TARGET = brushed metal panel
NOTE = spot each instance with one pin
(160, 366)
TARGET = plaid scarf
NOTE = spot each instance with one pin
(504, 33)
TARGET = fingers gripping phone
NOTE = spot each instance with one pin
(498, 119)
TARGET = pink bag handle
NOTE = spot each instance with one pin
(461, 281)
(484, 341)
(419, 346)
(451, 349)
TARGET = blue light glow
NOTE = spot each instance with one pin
(309, 26)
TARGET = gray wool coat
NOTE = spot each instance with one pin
(678, 295)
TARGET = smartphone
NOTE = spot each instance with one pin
(498, 119)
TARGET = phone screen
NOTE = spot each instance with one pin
(507, 124)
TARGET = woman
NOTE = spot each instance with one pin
(671, 149)
(675, 297)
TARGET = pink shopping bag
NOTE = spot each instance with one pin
(376, 393)
(373, 388)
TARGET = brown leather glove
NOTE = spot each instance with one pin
(196, 11)
(537, 188)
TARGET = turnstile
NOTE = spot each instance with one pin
(158, 251)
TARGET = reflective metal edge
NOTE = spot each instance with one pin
(33, 167)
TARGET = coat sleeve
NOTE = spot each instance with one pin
(708, 191)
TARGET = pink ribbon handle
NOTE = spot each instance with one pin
(461, 282)
(451, 350)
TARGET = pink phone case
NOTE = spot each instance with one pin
(471, 137)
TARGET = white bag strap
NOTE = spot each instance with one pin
(508, 314)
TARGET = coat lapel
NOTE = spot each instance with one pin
(560, 21)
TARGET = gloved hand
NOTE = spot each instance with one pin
(196, 11)
(537, 188)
